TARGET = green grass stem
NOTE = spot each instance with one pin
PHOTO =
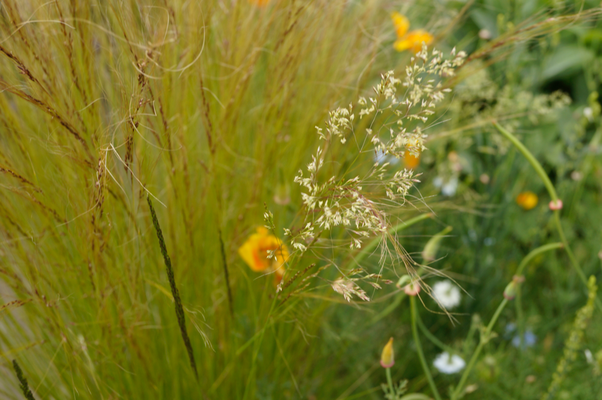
(553, 195)
(425, 366)
(486, 336)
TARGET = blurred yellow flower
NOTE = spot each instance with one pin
(259, 3)
(410, 161)
(401, 23)
(527, 200)
(387, 358)
(257, 249)
(409, 40)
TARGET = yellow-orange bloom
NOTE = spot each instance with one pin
(409, 40)
(401, 23)
(413, 41)
(527, 200)
(410, 161)
(259, 3)
(387, 358)
(256, 249)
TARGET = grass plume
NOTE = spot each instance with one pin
(23, 381)
(174, 289)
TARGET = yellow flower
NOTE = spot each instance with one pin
(256, 249)
(259, 3)
(401, 22)
(527, 200)
(409, 40)
(410, 161)
(387, 358)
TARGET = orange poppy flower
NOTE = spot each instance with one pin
(256, 249)
(259, 3)
(410, 161)
(409, 40)
(527, 200)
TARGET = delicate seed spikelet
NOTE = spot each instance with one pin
(348, 203)
(387, 358)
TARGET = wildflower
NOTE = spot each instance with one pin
(449, 364)
(380, 157)
(387, 358)
(411, 161)
(555, 205)
(446, 294)
(588, 113)
(529, 339)
(449, 187)
(409, 40)
(485, 34)
(264, 252)
(527, 200)
(259, 3)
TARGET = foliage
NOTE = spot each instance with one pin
(209, 110)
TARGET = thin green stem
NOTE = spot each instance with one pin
(546, 180)
(485, 336)
(425, 367)
(258, 348)
(534, 253)
(390, 381)
(532, 160)
(432, 337)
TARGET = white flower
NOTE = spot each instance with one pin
(588, 113)
(380, 157)
(588, 356)
(448, 188)
(447, 294)
(449, 364)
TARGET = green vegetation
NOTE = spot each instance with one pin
(195, 200)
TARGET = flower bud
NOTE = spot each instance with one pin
(432, 246)
(555, 205)
(387, 359)
(412, 289)
(510, 291)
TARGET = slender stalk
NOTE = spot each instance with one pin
(432, 337)
(546, 180)
(425, 367)
(484, 339)
(485, 336)
(390, 381)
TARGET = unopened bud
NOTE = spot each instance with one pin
(432, 246)
(555, 205)
(510, 291)
(412, 289)
(387, 359)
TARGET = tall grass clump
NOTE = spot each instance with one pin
(180, 211)
(205, 107)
